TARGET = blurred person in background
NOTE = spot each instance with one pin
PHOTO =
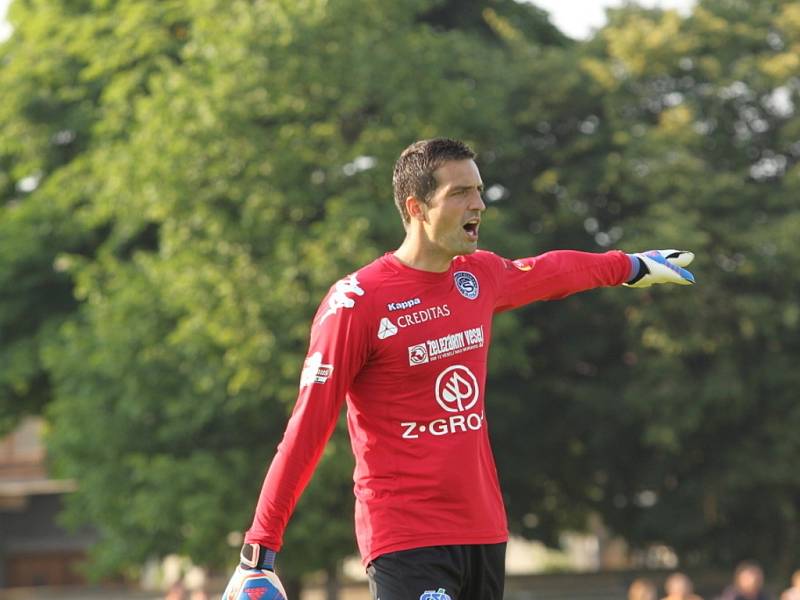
(404, 342)
(679, 587)
(793, 593)
(642, 589)
(176, 591)
(748, 583)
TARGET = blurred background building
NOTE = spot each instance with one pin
(34, 549)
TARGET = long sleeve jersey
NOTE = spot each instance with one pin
(407, 351)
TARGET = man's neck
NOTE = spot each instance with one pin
(421, 254)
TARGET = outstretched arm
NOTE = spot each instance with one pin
(560, 273)
(557, 274)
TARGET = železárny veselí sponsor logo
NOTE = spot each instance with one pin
(446, 346)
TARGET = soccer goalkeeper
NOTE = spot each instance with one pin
(404, 342)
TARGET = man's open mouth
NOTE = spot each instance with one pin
(471, 227)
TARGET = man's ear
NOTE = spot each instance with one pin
(416, 209)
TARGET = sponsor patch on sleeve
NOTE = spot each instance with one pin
(315, 371)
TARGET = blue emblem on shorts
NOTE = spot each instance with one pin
(439, 594)
(467, 284)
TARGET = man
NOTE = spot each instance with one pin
(642, 589)
(748, 583)
(793, 593)
(404, 341)
(679, 587)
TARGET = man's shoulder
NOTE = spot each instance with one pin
(480, 260)
(484, 258)
(354, 290)
(368, 277)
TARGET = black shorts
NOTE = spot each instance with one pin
(468, 572)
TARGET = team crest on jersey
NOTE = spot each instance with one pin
(467, 284)
(439, 594)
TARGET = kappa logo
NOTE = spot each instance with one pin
(386, 329)
(339, 297)
(439, 594)
(392, 306)
(467, 284)
(314, 371)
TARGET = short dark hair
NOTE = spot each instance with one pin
(413, 171)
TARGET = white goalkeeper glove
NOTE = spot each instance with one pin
(254, 578)
(662, 266)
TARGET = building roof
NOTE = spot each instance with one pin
(23, 465)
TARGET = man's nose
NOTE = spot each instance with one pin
(477, 202)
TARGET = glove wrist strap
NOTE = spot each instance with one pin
(254, 556)
(643, 270)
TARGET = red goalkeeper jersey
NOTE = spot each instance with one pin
(407, 350)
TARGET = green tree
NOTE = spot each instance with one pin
(696, 442)
(69, 77)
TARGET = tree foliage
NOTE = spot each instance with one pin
(670, 413)
(181, 181)
(711, 144)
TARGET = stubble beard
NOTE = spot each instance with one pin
(462, 248)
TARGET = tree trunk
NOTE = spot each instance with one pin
(293, 587)
(332, 583)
